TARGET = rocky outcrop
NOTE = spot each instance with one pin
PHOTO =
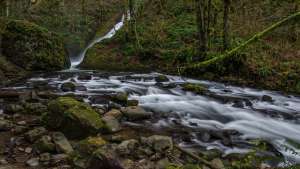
(75, 119)
(32, 47)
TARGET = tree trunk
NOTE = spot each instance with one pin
(7, 6)
(254, 38)
(226, 25)
(200, 16)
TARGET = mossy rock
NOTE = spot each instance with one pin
(90, 144)
(75, 119)
(33, 47)
(196, 88)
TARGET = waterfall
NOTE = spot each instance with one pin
(77, 60)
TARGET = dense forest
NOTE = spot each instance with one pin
(150, 84)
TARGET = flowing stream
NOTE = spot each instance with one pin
(228, 118)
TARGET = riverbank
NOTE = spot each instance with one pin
(151, 113)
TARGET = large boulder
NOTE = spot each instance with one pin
(75, 119)
(33, 47)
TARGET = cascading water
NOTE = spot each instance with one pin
(213, 121)
(75, 61)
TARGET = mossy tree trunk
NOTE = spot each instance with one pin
(217, 59)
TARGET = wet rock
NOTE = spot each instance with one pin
(35, 134)
(196, 88)
(59, 158)
(128, 147)
(159, 143)
(13, 108)
(101, 160)
(112, 123)
(136, 113)
(161, 78)
(117, 114)
(217, 163)
(238, 104)
(90, 144)
(45, 144)
(5, 125)
(266, 98)
(75, 119)
(61, 143)
(132, 103)
(99, 100)
(205, 137)
(120, 98)
(85, 77)
(45, 157)
(68, 87)
(81, 88)
(33, 162)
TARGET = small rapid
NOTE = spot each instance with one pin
(229, 118)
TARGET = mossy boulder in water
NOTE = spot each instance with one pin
(75, 119)
(33, 47)
(196, 88)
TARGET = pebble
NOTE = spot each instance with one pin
(28, 150)
(22, 123)
(33, 162)
(3, 162)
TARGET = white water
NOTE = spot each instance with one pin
(75, 61)
(275, 122)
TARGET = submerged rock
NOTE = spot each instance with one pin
(75, 119)
(136, 113)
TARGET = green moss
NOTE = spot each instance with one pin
(196, 88)
(75, 119)
(90, 144)
(33, 47)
